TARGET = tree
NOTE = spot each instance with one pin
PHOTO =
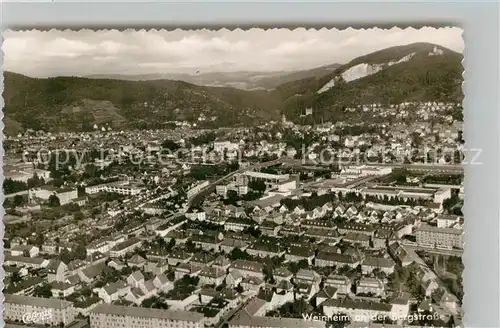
(238, 254)
(54, 201)
(18, 200)
(294, 267)
(268, 274)
(257, 185)
(10, 186)
(155, 302)
(232, 197)
(44, 291)
(78, 216)
(171, 244)
(15, 278)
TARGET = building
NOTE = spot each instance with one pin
(441, 194)
(223, 145)
(287, 185)
(25, 174)
(123, 248)
(447, 221)
(342, 283)
(372, 286)
(125, 187)
(248, 268)
(65, 195)
(196, 189)
(356, 172)
(363, 311)
(324, 259)
(111, 316)
(56, 271)
(381, 263)
(244, 320)
(271, 180)
(47, 310)
(440, 237)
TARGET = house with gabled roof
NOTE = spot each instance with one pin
(399, 254)
(291, 230)
(228, 244)
(283, 209)
(56, 271)
(206, 242)
(116, 264)
(212, 276)
(446, 300)
(333, 259)
(282, 273)
(202, 259)
(252, 283)
(327, 207)
(178, 256)
(91, 273)
(342, 283)
(112, 292)
(61, 289)
(307, 276)
(299, 209)
(306, 290)
(380, 263)
(340, 210)
(355, 227)
(318, 212)
(327, 293)
(189, 269)
(256, 307)
(269, 228)
(148, 288)
(357, 238)
(136, 296)
(266, 249)
(327, 235)
(135, 279)
(137, 261)
(162, 283)
(234, 278)
(221, 262)
(296, 254)
(248, 268)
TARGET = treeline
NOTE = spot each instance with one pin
(12, 186)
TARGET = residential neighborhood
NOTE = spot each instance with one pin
(343, 210)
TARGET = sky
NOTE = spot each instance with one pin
(85, 52)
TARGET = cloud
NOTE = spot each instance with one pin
(51, 53)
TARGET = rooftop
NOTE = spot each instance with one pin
(37, 301)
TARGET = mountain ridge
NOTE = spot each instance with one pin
(419, 71)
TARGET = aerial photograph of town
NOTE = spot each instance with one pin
(281, 178)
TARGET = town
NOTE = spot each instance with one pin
(279, 225)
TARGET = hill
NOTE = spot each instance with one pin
(75, 104)
(415, 72)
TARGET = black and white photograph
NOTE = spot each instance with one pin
(257, 178)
